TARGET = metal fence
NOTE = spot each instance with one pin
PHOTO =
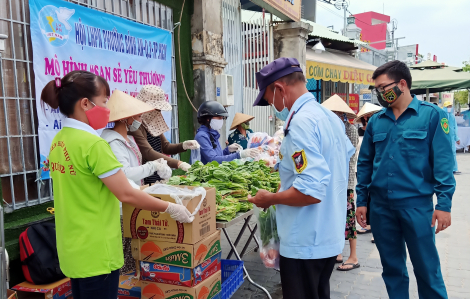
(18, 120)
(257, 42)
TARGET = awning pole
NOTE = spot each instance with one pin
(427, 95)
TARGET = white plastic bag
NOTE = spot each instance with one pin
(181, 196)
(267, 233)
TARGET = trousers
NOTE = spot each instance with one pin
(411, 227)
(306, 279)
(96, 287)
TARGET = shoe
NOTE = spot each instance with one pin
(457, 172)
(372, 240)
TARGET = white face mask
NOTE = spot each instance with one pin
(217, 124)
(449, 109)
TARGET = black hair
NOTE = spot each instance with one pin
(74, 86)
(205, 121)
(290, 79)
(395, 70)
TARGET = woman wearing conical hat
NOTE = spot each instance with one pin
(344, 112)
(150, 137)
(363, 117)
(241, 122)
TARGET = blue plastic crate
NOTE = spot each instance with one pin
(232, 277)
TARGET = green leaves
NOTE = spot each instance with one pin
(233, 180)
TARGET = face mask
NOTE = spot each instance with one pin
(282, 115)
(216, 124)
(449, 109)
(135, 126)
(245, 126)
(98, 117)
(342, 116)
(388, 97)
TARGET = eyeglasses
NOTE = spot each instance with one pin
(381, 89)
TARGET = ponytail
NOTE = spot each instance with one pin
(66, 92)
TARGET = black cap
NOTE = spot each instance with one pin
(211, 108)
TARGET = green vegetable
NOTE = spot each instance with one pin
(233, 180)
(268, 226)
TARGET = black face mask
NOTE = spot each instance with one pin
(388, 97)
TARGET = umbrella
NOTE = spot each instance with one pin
(430, 76)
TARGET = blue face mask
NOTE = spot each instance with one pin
(282, 115)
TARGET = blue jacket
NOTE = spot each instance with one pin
(452, 124)
(403, 162)
(208, 152)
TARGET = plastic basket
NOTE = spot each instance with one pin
(232, 277)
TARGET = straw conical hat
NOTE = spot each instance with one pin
(239, 119)
(367, 110)
(337, 104)
(123, 106)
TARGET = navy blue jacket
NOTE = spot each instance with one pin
(208, 152)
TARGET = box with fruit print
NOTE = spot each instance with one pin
(178, 275)
(182, 255)
(208, 289)
(159, 226)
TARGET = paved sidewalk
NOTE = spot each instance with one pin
(366, 282)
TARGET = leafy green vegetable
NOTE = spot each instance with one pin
(233, 180)
(268, 226)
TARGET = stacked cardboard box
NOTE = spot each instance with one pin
(176, 259)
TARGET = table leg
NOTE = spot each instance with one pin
(237, 240)
(258, 242)
(234, 249)
(252, 234)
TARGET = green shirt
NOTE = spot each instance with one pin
(87, 214)
(239, 138)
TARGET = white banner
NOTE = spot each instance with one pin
(68, 37)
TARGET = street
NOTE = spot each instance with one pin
(366, 282)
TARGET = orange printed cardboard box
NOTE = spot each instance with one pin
(129, 286)
(61, 289)
(208, 289)
(182, 255)
(159, 226)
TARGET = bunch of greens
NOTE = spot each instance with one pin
(233, 181)
(268, 226)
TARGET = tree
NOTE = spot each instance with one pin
(461, 96)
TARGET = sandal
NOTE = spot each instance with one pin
(362, 231)
(354, 266)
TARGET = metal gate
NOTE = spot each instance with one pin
(257, 43)
(232, 42)
(18, 127)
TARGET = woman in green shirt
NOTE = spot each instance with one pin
(242, 124)
(88, 184)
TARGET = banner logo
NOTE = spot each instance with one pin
(54, 24)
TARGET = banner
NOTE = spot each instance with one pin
(335, 73)
(68, 37)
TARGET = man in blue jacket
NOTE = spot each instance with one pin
(211, 116)
(403, 162)
(453, 132)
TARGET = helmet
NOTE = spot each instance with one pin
(211, 108)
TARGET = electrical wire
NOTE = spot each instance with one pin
(179, 53)
(331, 11)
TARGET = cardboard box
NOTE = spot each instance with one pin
(129, 286)
(147, 225)
(11, 294)
(61, 289)
(178, 275)
(182, 255)
(208, 289)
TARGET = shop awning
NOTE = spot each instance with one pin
(338, 67)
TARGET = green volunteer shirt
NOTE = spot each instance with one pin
(87, 214)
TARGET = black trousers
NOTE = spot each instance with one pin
(97, 287)
(306, 279)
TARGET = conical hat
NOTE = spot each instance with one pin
(367, 110)
(337, 104)
(239, 119)
(123, 106)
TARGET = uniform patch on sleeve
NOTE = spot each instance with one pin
(445, 125)
(300, 161)
(280, 155)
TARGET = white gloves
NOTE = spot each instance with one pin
(184, 166)
(235, 147)
(179, 212)
(249, 153)
(191, 144)
(162, 168)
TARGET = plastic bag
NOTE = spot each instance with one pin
(269, 251)
(257, 139)
(195, 156)
(181, 196)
